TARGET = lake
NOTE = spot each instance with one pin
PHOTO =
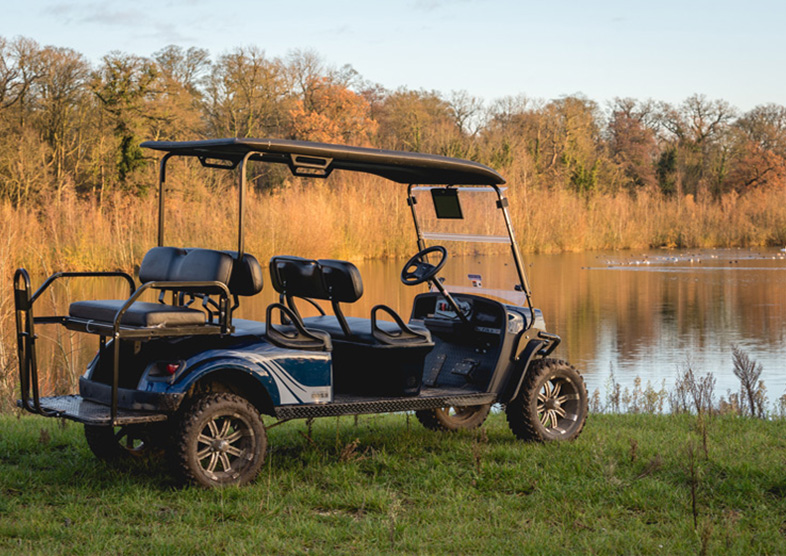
(643, 314)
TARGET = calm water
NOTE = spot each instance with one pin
(642, 314)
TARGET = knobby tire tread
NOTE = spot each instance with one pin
(518, 411)
(434, 419)
(189, 419)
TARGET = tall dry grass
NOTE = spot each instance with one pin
(366, 218)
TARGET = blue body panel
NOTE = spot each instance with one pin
(291, 377)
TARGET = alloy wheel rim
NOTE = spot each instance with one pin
(557, 405)
(225, 446)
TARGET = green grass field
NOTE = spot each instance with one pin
(632, 484)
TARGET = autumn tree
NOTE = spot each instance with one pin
(759, 150)
(419, 121)
(696, 131)
(333, 114)
(632, 144)
(246, 96)
(175, 111)
(60, 96)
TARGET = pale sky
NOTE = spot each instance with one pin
(664, 50)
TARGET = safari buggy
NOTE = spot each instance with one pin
(181, 375)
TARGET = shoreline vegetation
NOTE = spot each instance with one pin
(359, 219)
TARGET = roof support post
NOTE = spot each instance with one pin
(242, 203)
(161, 183)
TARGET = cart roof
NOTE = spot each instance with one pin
(398, 166)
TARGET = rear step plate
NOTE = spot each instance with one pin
(84, 411)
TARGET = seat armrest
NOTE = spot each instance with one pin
(405, 336)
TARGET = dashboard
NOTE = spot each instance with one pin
(485, 316)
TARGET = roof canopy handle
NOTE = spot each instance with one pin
(218, 163)
(311, 166)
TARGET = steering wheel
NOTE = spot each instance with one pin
(422, 270)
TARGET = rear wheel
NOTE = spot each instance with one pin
(454, 418)
(125, 443)
(220, 440)
(551, 405)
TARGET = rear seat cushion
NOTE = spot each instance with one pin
(139, 314)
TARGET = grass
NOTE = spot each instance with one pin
(385, 485)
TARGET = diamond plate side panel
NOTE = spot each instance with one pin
(388, 405)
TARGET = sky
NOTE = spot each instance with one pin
(664, 50)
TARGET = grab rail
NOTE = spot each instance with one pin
(25, 330)
(26, 321)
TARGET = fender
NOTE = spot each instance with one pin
(536, 343)
(231, 365)
(289, 377)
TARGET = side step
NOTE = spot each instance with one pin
(78, 409)
(345, 405)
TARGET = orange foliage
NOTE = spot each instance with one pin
(757, 167)
(334, 114)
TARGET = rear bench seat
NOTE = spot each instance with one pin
(174, 264)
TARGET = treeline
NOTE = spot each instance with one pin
(68, 125)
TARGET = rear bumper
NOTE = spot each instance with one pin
(130, 400)
(78, 409)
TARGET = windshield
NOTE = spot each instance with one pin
(469, 223)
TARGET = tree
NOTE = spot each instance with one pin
(697, 130)
(332, 114)
(124, 86)
(247, 96)
(632, 144)
(188, 67)
(174, 112)
(58, 95)
(419, 121)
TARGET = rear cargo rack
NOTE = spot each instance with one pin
(71, 406)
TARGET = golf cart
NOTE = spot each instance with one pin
(183, 376)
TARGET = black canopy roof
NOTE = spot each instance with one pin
(303, 156)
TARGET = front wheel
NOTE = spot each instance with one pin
(454, 418)
(220, 440)
(551, 405)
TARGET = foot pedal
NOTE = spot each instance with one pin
(431, 374)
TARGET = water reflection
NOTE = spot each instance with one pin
(642, 314)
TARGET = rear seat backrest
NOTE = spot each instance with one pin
(174, 264)
(297, 277)
(247, 275)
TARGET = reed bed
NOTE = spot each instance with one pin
(367, 219)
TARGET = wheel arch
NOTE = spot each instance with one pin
(519, 371)
(235, 378)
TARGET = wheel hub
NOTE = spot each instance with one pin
(220, 445)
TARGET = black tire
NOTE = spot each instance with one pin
(125, 443)
(551, 405)
(219, 440)
(454, 418)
